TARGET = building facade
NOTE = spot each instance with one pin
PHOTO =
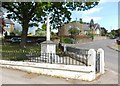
(9, 26)
(84, 28)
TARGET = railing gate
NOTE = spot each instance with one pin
(97, 62)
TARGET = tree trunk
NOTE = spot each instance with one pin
(24, 34)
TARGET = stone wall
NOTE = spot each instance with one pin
(84, 40)
(99, 38)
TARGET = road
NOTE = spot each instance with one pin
(111, 56)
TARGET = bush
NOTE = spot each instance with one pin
(90, 35)
(67, 40)
(12, 34)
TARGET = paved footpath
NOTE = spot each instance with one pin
(10, 76)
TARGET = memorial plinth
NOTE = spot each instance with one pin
(48, 47)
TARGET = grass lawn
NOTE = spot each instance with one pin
(15, 52)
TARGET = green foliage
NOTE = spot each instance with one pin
(25, 12)
(111, 35)
(114, 33)
(40, 32)
(81, 21)
(67, 40)
(90, 35)
(44, 26)
(55, 37)
(12, 34)
(74, 31)
(103, 31)
(17, 32)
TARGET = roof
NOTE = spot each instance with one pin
(77, 25)
(96, 26)
(85, 26)
(8, 21)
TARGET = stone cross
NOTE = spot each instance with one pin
(48, 28)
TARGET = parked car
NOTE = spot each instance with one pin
(15, 40)
(18, 40)
(118, 40)
(40, 40)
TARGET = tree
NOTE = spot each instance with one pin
(103, 31)
(118, 32)
(28, 14)
(81, 21)
(44, 26)
(91, 27)
(115, 33)
(40, 32)
(74, 32)
(17, 32)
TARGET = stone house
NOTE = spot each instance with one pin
(84, 28)
(9, 26)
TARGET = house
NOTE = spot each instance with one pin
(9, 26)
(84, 28)
(97, 29)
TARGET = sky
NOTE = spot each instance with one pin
(105, 14)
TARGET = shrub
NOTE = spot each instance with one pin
(67, 40)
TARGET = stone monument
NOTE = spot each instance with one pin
(48, 47)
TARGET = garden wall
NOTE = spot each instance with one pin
(100, 38)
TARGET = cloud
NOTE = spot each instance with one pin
(91, 11)
(87, 19)
(104, 1)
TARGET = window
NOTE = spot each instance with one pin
(7, 26)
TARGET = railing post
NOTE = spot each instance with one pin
(92, 61)
(64, 47)
(102, 63)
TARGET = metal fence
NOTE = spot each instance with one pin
(59, 58)
(66, 58)
(72, 56)
(77, 50)
(97, 62)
